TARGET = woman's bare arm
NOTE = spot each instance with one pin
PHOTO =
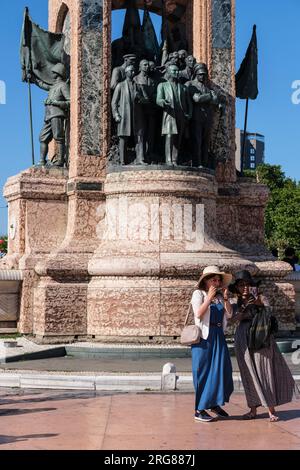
(204, 306)
(228, 308)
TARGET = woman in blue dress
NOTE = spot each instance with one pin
(211, 364)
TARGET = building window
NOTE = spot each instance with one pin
(252, 158)
(252, 151)
(252, 165)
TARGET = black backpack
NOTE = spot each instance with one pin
(263, 324)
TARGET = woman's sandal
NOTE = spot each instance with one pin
(249, 415)
(274, 418)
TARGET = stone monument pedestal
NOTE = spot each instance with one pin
(37, 217)
(125, 269)
(159, 231)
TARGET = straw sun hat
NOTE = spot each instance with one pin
(210, 270)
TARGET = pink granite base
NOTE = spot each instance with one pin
(121, 262)
(140, 288)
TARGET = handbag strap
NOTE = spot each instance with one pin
(189, 311)
(188, 314)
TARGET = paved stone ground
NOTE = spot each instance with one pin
(34, 420)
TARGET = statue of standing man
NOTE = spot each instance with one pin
(204, 101)
(174, 98)
(144, 113)
(118, 73)
(123, 110)
(57, 110)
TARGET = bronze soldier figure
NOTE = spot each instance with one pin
(57, 107)
(118, 73)
(204, 100)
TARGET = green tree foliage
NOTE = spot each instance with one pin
(250, 173)
(282, 224)
(3, 244)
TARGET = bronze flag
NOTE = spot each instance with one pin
(246, 77)
(149, 35)
(40, 51)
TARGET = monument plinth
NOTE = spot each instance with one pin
(111, 250)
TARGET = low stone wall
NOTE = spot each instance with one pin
(10, 285)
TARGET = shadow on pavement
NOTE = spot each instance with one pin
(54, 396)
(288, 415)
(18, 411)
(8, 439)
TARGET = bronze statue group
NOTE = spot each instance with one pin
(163, 104)
(165, 113)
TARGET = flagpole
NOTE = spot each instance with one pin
(244, 137)
(164, 34)
(26, 43)
(31, 120)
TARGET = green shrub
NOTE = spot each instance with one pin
(3, 244)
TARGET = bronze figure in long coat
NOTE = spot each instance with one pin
(123, 110)
(145, 113)
(175, 100)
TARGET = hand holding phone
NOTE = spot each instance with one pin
(212, 292)
(253, 291)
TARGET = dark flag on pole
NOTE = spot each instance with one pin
(132, 28)
(149, 36)
(25, 47)
(40, 51)
(246, 84)
(246, 77)
(164, 36)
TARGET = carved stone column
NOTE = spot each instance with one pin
(60, 296)
(214, 44)
(37, 225)
(87, 144)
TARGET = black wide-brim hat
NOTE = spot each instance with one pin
(243, 276)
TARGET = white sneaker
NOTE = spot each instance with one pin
(203, 416)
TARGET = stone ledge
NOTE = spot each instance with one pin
(35, 183)
(11, 275)
(293, 276)
(163, 167)
(126, 383)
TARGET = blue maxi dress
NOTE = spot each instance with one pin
(211, 365)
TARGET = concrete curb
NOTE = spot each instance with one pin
(116, 382)
(81, 382)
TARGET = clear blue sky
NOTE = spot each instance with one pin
(272, 114)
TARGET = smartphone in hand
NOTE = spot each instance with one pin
(254, 291)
